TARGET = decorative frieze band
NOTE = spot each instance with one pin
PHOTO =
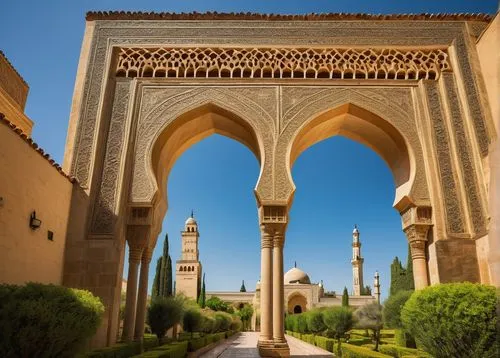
(282, 63)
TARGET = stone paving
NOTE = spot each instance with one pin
(244, 345)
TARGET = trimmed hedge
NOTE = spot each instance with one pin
(399, 352)
(325, 343)
(309, 338)
(119, 350)
(352, 351)
(171, 350)
(359, 341)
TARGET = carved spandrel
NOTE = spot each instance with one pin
(452, 206)
(106, 201)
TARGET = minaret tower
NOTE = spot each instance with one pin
(357, 263)
(188, 268)
(376, 286)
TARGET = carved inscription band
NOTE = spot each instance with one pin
(282, 63)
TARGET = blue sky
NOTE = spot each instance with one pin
(339, 182)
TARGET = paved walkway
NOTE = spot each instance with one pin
(244, 345)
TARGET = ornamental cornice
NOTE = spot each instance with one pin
(295, 63)
(138, 15)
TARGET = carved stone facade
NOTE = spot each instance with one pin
(147, 90)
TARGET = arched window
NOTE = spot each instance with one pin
(181, 269)
(297, 309)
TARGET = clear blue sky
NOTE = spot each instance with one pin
(339, 182)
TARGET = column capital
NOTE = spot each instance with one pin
(279, 239)
(417, 237)
(147, 254)
(135, 254)
(416, 215)
(266, 240)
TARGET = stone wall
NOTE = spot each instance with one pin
(29, 182)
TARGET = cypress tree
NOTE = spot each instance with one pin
(169, 277)
(345, 298)
(243, 288)
(202, 298)
(162, 284)
(155, 292)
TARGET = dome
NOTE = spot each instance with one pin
(191, 221)
(296, 275)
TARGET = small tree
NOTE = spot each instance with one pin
(162, 283)
(315, 322)
(192, 321)
(301, 323)
(369, 317)
(392, 317)
(454, 320)
(245, 314)
(203, 298)
(163, 314)
(339, 320)
(345, 298)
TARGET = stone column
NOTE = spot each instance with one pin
(134, 259)
(142, 295)
(266, 282)
(278, 290)
(417, 237)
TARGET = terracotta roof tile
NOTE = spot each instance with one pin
(35, 147)
(138, 15)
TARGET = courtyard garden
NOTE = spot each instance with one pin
(447, 320)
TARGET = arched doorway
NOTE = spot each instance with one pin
(296, 303)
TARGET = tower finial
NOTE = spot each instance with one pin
(295, 264)
(192, 213)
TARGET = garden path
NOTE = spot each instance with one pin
(244, 345)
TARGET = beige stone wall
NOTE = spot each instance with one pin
(29, 182)
(488, 247)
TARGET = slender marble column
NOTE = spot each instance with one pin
(142, 295)
(417, 237)
(266, 282)
(134, 259)
(278, 290)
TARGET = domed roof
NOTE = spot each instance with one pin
(191, 221)
(295, 275)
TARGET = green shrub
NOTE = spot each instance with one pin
(163, 314)
(224, 321)
(172, 350)
(300, 323)
(359, 341)
(198, 343)
(404, 339)
(325, 343)
(150, 341)
(315, 322)
(351, 351)
(119, 350)
(453, 320)
(216, 304)
(40, 320)
(399, 352)
(309, 338)
(192, 321)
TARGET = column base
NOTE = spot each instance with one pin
(273, 349)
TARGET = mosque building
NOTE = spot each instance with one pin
(301, 295)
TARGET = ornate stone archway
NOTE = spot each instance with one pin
(147, 90)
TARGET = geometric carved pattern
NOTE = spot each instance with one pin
(281, 63)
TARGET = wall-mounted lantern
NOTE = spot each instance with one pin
(34, 222)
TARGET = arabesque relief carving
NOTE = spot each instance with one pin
(282, 63)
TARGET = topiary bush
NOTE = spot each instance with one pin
(300, 323)
(453, 320)
(41, 320)
(315, 322)
(192, 321)
(399, 352)
(163, 314)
